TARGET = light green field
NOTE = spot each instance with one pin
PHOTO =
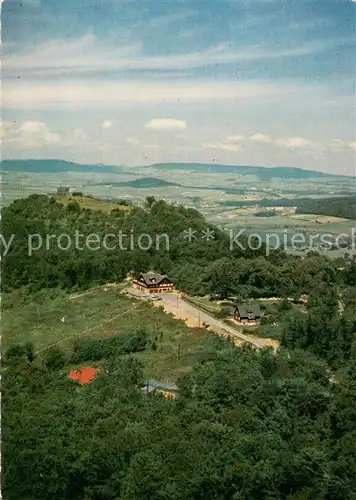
(91, 203)
(194, 184)
(100, 313)
(198, 194)
(285, 224)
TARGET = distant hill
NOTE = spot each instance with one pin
(143, 183)
(261, 172)
(54, 166)
(264, 173)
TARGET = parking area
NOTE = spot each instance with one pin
(133, 292)
(196, 318)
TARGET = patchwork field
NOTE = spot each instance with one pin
(213, 192)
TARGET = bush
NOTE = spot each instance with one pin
(30, 351)
(55, 359)
(15, 351)
(284, 306)
(73, 206)
(95, 350)
(87, 350)
(135, 342)
(20, 352)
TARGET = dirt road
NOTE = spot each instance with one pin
(194, 317)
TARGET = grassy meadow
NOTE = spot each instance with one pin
(99, 313)
(91, 203)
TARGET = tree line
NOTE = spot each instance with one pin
(198, 267)
(247, 424)
(338, 206)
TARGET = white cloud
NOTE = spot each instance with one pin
(235, 142)
(36, 135)
(32, 127)
(336, 145)
(222, 145)
(29, 135)
(107, 124)
(294, 143)
(166, 124)
(260, 138)
(89, 54)
(7, 129)
(338, 142)
(231, 139)
(80, 135)
(30, 95)
(132, 141)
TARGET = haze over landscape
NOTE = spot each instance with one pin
(246, 83)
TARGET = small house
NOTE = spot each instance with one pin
(63, 191)
(153, 282)
(83, 376)
(247, 313)
(165, 388)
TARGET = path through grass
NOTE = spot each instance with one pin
(100, 313)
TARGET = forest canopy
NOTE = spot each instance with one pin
(198, 266)
(246, 424)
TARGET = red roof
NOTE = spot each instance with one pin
(83, 376)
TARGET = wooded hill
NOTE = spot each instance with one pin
(264, 173)
(247, 424)
(342, 206)
(217, 265)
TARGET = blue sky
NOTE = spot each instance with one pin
(264, 82)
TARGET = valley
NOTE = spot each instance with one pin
(263, 200)
(82, 358)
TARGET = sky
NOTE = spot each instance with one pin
(245, 82)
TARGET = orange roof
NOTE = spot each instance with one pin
(83, 376)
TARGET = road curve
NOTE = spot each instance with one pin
(175, 304)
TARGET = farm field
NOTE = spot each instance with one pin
(207, 193)
(203, 191)
(284, 226)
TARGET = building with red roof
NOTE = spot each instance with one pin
(83, 376)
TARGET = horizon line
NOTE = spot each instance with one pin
(177, 163)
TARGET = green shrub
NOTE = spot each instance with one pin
(15, 351)
(73, 206)
(55, 358)
(95, 350)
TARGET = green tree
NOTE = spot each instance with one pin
(55, 359)
(150, 202)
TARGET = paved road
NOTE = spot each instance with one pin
(175, 304)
